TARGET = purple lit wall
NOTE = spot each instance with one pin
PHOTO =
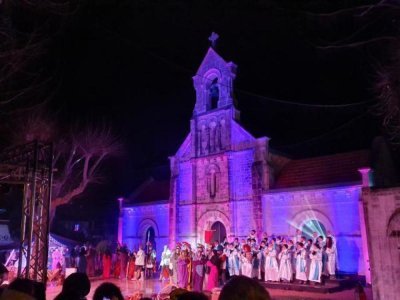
(336, 208)
(138, 219)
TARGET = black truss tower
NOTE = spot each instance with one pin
(30, 165)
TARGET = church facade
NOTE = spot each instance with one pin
(226, 180)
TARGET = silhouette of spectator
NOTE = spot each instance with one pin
(27, 288)
(108, 290)
(176, 293)
(192, 296)
(76, 287)
(243, 288)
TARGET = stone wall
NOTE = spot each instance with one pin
(336, 208)
(138, 219)
(382, 214)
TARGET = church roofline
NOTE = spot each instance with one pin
(356, 184)
(212, 51)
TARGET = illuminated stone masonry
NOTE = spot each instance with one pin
(224, 179)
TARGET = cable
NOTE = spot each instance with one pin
(188, 70)
(326, 133)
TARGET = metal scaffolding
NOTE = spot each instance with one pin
(30, 165)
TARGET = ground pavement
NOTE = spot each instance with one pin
(152, 286)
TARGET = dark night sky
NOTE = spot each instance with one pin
(130, 64)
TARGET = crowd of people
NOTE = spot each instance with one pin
(199, 268)
(203, 267)
(271, 259)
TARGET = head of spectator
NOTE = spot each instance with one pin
(108, 290)
(176, 293)
(192, 296)
(22, 288)
(243, 288)
(76, 286)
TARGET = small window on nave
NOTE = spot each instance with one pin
(214, 94)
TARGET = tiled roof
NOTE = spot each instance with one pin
(150, 191)
(323, 170)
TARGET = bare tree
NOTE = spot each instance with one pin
(374, 30)
(78, 155)
(27, 29)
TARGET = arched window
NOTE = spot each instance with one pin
(313, 226)
(214, 93)
(219, 232)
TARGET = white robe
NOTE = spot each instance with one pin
(233, 262)
(246, 267)
(331, 264)
(271, 266)
(301, 265)
(316, 266)
(285, 266)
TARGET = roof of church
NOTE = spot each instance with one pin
(150, 191)
(323, 170)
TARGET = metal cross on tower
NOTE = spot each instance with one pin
(213, 39)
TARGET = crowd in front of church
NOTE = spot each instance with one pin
(271, 259)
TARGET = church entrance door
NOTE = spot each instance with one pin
(219, 232)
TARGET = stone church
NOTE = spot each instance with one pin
(224, 179)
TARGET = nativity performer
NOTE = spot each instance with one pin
(285, 266)
(271, 264)
(233, 260)
(199, 261)
(331, 252)
(247, 261)
(316, 264)
(183, 269)
(213, 271)
(106, 260)
(164, 264)
(301, 263)
(174, 264)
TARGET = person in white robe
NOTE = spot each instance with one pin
(292, 252)
(271, 264)
(331, 253)
(233, 260)
(247, 264)
(316, 264)
(285, 266)
(297, 237)
(301, 263)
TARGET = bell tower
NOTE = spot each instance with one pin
(215, 106)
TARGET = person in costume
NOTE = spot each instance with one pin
(233, 260)
(261, 257)
(82, 263)
(199, 261)
(164, 263)
(123, 255)
(301, 263)
(253, 236)
(150, 260)
(131, 266)
(182, 269)
(213, 263)
(106, 260)
(140, 263)
(331, 253)
(297, 237)
(247, 261)
(285, 265)
(174, 264)
(271, 264)
(316, 264)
